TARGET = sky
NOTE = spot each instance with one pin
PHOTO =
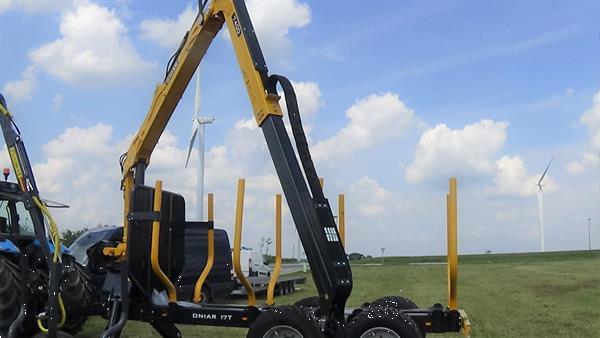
(396, 98)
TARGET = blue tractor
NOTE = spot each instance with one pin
(43, 291)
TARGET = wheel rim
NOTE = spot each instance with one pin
(282, 331)
(380, 332)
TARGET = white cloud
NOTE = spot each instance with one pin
(5, 5)
(575, 168)
(93, 48)
(443, 152)
(93, 45)
(272, 30)
(512, 179)
(373, 119)
(168, 33)
(591, 157)
(81, 170)
(21, 90)
(272, 21)
(308, 95)
(375, 199)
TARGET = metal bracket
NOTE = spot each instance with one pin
(144, 216)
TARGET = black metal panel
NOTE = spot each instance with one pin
(196, 253)
(228, 315)
(219, 315)
(325, 253)
(171, 243)
(436, 319)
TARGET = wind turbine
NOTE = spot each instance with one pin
(198, 124)
(540, 196)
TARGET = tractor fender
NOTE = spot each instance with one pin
(63, 248)
(7, 246)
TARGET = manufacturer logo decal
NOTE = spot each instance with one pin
(236, 24)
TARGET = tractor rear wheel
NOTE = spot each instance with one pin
(284, 321)
(77, 295)
(9, 297)
(382, 322)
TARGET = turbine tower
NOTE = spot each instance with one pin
(198, 124)
(540, 196)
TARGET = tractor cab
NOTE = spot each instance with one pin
(15, 219)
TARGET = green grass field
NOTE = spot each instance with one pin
(505, 295)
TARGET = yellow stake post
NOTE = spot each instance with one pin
(277, 268)
(342, 218)
(237, 242)
(211, 254)
(154, 248)
(452, 222)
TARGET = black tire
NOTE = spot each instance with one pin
(394, 302)
(287, 317)
(311, 302)
(77, 294)
(9, 299)
(382, 318)
(59, 334)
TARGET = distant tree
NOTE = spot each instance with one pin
(263, 241)
(69, 236)
(268, 243)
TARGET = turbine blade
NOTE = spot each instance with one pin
(197, 97)
(545, 171)
(191, 146)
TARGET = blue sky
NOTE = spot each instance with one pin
(398, 97)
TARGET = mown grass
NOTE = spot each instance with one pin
(508, 295)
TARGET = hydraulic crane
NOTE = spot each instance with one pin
(155, 218)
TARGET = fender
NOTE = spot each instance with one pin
(8, 246)
(63, 248)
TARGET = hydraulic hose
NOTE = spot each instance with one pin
(291, 103)
(56, 259)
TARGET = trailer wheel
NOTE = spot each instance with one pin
(312, 302)
(77, 295)
(382, 322)
(59, 334)
(395, 302)
(284, 321)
